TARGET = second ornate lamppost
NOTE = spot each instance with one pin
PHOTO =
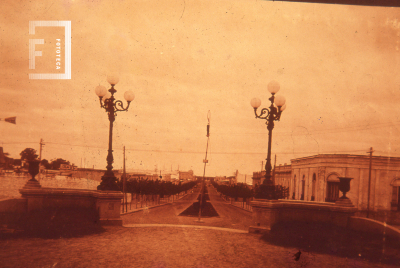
(271, 114)
(112, 106)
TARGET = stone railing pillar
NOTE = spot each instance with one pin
(265, 215)
(108, 205)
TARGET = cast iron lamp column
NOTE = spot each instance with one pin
(270, 115)
(112, 106)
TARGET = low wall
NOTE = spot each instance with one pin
(106, 204)
(267, 213)
(42, 198)
(15, 205)
(11, 210)
(10, 185)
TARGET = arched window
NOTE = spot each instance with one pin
(287, 184)
(332, 188)
(303, 186)
(395, 204)
(294, 187)
(314, 182)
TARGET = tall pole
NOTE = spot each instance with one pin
(262, 168)
(270, 127)
(110, 157)
(369, 179)
(112, 106)
(124, 185)
(40, 151)
(205, 164)
(40, 156)
(270, 114)
(109, 181)
(273, 177)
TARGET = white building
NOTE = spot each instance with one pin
(315, 178)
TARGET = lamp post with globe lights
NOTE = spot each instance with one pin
(271, 114)
(112, 106)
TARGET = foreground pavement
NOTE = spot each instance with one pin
(159, 237)
(163, 247)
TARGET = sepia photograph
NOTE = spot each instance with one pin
(187, 133)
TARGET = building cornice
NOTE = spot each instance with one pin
(344, 160)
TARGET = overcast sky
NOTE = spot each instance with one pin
(337, 66)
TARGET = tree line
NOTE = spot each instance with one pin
(156, 187)
(241, 190)
(236, 191)
(30, 154)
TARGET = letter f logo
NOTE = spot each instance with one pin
(32, 52)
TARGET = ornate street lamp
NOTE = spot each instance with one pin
(112, 106)
(271, 114)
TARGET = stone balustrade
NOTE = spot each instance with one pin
(267, 213)
(106, 203)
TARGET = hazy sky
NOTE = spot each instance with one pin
(337, 66)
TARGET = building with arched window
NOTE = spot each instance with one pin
(316, 178)
(395, 203)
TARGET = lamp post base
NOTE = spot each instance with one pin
(108, 183)
(32, 183)
(267, 182)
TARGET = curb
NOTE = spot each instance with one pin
(144, 208)
(240, 208)
(155, 206)
(186, 226)
(229, 203)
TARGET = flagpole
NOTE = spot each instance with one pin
(205, 164)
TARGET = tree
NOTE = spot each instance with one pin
(7, 161)
(28, 154)
(46, 164)
(56, 163)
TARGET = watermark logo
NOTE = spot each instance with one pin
(53, 59)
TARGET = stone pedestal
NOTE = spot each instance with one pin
(344, 202)
(32, 184)
(108, 205)
(265, 215)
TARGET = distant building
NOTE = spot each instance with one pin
(258, 177)
(185, 176)
(87, 173)
(200, 178)
(243, 178)
(68, 167)
(232, 180)
(136, 176)
(5, 161)
(2, 156)
(221, 180)
(143, 176)
(172, 176)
